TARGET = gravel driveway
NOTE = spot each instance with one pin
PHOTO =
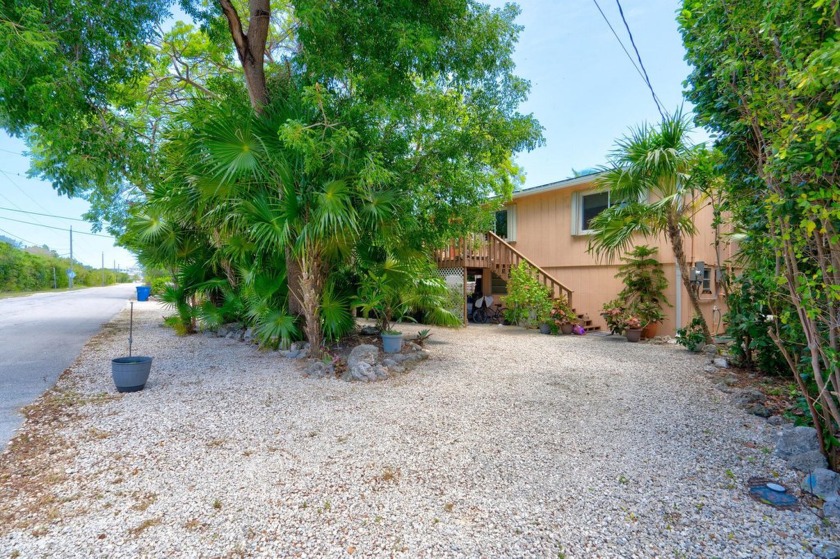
(505, 443)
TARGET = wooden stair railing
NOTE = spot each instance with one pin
(495, 253)
(503, 258)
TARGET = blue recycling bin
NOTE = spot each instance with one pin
(143, 292)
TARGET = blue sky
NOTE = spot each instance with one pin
(584, 92)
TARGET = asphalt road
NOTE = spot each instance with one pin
(41, 335)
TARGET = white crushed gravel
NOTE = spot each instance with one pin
(505, 443)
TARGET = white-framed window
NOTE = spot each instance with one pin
(586, 206)
(505, 225)
(707, 281)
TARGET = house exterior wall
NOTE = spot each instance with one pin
(545, 234)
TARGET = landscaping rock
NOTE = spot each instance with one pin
(808, 461)
(369, 331)
(380, 372)
(364, 353)
(826, 550)
(412, 347)
(710, 369)
(720, 362)
(796, 440)
(361, 363)
(405, 358)
(776, 420)
(831, 509)
(730, 380)
(711, 350)
(823, 483)
(759, 410)
(748, 397)
(319, 369)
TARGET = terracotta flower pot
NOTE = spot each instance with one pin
(566, 328)
(650, 330)
(633, 334)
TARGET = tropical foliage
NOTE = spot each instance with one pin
(270, 185)
(766, 81)
(528, 302)
(651, 171)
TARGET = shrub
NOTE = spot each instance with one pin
(528, 302)
(692, 336)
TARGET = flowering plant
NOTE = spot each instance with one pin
(631, 322)
(562, 313)
(613, 312)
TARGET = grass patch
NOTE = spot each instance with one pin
(145, 525)
(36, 461)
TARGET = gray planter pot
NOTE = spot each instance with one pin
(633, 334)
(392, 343)
(545, 329)
(131, 373)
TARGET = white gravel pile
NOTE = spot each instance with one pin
(505, 443)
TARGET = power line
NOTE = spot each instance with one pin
(16, 237)
(642, 64)
(22, 191)
(43, 215)
(12, 152)
(57, 228)
(627, 52)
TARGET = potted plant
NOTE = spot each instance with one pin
(379, 295)
(692, 336)
(614, 315)
(651, 315)
(632, 328)
(644, 287)
(563, 317)
(131, 373)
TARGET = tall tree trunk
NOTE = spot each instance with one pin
(293, 281)
(311, 280)
(679, 253)
(250, 47)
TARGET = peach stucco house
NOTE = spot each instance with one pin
(547, 226)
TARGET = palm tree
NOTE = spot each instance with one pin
(650, 169)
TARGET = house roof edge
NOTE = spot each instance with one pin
(558, 185)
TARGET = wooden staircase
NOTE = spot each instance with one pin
(489, 251)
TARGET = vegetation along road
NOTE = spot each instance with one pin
(41, 335)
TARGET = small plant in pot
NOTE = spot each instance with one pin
(692, 336)
(131, 373)
(563, 317)
(614, 315)
(379, 295)
(651, 315)
(633, 328)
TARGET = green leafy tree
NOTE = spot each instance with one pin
(766, 80)
(367, 104)
(651, 170)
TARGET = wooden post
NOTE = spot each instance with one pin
(464, 291)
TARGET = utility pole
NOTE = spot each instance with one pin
(55, 282)
(70, 271)
(103, 269)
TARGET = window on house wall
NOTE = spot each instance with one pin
(506, 223)
(586, 206)
(707, 280)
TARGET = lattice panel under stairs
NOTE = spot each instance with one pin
(457, 298)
